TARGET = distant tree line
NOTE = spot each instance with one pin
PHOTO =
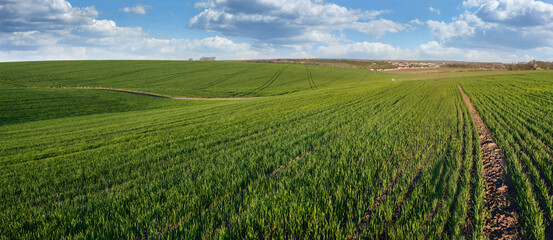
(474, 65)
(381, 64)
(532, 65)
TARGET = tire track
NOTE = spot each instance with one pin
(412, 186)
(310, 80)
(271, 80)
(160, 96)
(470, 218)
(211, 84)
(244, 190)
(501, 222)
(267, 177)
(368, 215)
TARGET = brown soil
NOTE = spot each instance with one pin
(501, 220)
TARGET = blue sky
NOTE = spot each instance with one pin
(470, 30)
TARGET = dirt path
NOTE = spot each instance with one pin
(501, 212)
(184, 98)
(162, 96)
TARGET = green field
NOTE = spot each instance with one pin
(323, 152)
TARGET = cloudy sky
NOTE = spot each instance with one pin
(471, 30)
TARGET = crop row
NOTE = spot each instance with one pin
(518, 111)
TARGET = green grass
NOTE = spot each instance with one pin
(179, 79)
(19, 105)
(325, 153)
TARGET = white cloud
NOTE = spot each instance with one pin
(136, 9)
(428, 51)
(518, 13)
(31, 15)
(142, 48)
(435, 51)
(287, 22)
(378, 28)
(434, 10)
(498, 24)
(53, 29)
(416, 21)
(35, 23)
(363, 50)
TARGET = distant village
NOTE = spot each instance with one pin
(415, 66)
(404, 65)
(412, 65)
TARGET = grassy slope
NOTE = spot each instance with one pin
(143, 172)
(18, 105)
(37, 90)
(177, 78)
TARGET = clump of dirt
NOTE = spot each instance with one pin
(501, 220)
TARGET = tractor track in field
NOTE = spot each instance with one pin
(175, 98)
(461, 176)
(368, 214)
(310, 80)
(412, 185)
(160, 96)
(271, 80)
(218, 81)
(242, 191)
(501, 222)
(469, 218)
(245, 189)
(270, 175)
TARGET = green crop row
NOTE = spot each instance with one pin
(517, 110)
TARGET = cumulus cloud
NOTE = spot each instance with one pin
(28, 24)
(498, 24)
(288, 21)
(136, 9)
(53, 29)
(42, 15)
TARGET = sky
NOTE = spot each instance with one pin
(472, 30)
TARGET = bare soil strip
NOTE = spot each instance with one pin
(501, 220)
